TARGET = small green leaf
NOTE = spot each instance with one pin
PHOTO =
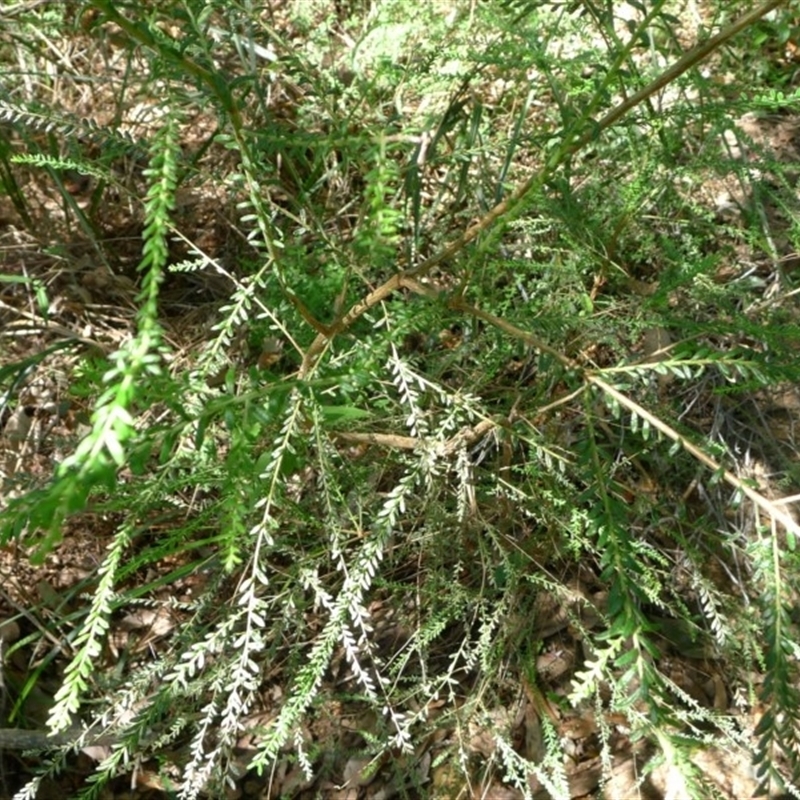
(343, 412)
(627, 658)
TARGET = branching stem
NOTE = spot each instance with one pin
(691, 59)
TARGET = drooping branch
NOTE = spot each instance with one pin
(769, 507)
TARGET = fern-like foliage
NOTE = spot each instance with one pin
(427, 393)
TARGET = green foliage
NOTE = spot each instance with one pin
(427, 382)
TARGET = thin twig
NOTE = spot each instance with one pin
(768, 506)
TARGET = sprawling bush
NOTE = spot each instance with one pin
(436, 314)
